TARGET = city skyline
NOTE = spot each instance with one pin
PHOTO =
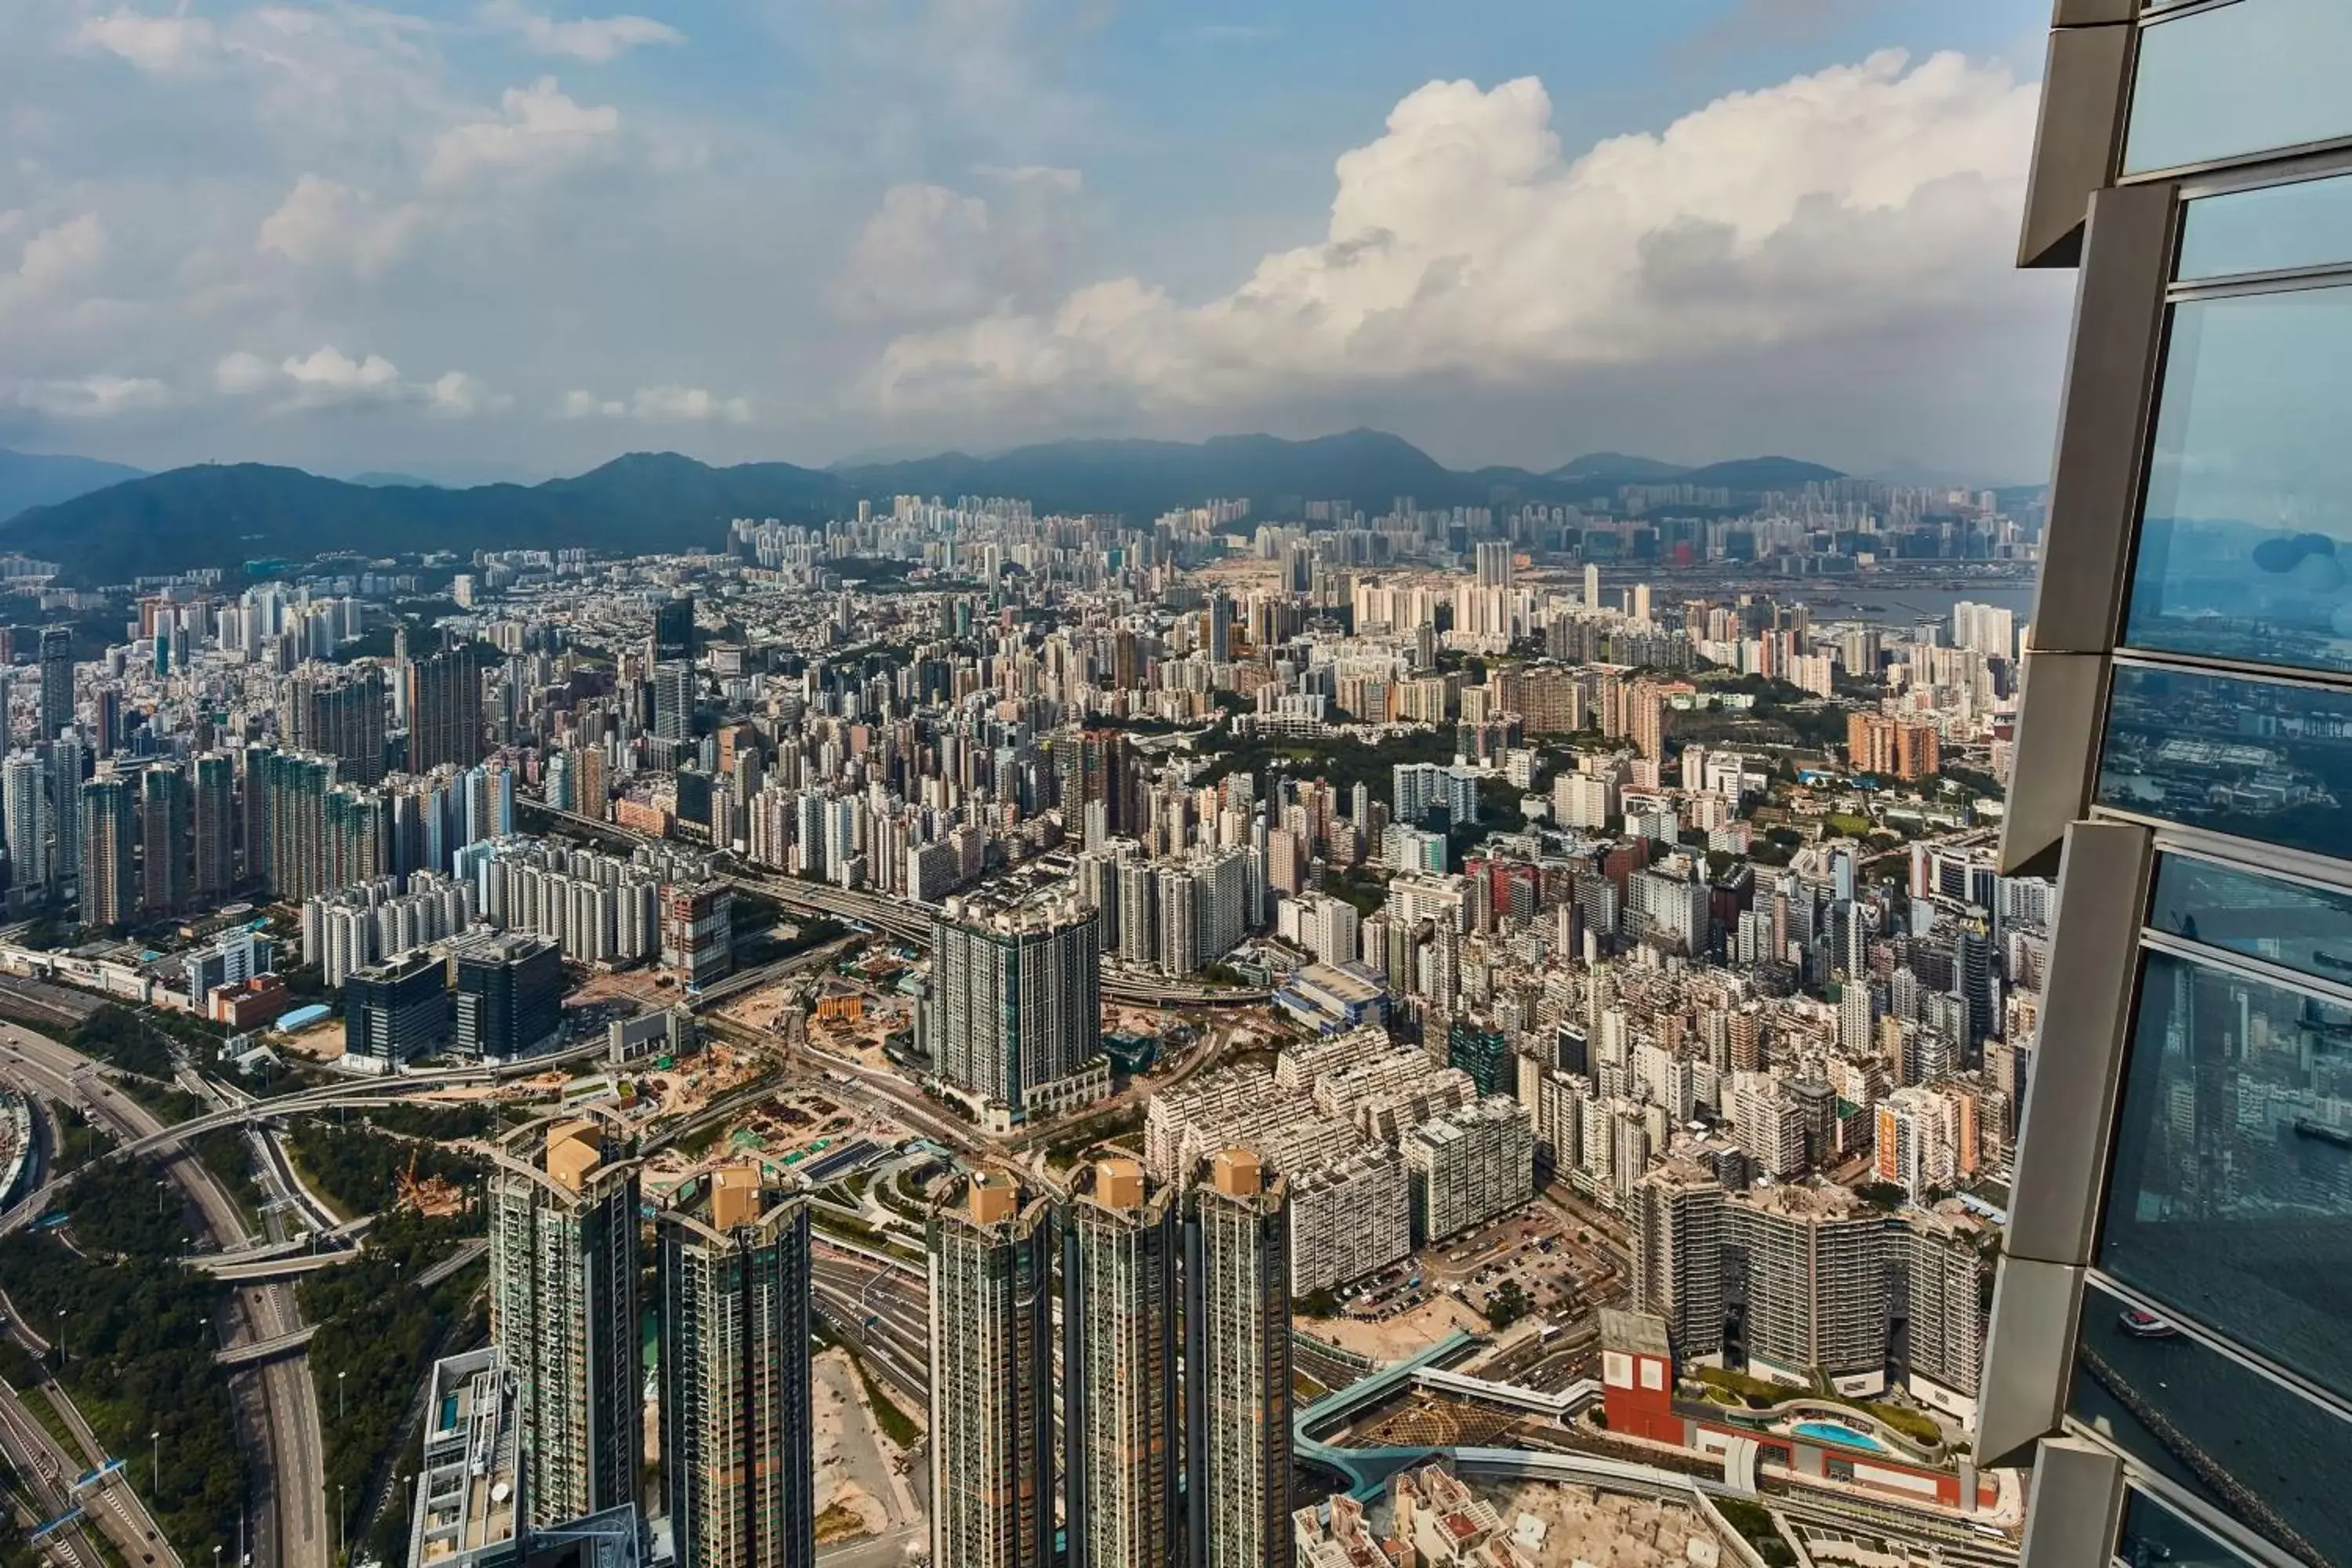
(1517, 240)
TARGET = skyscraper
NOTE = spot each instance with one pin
(992, 1403)
(294, 788)
(736, 1436)
(1015, 998)
(1237, 1394)
(445, 710)
(109, 846)
(338, 712)
(166, 842)
(24, 814)
(674, 636)
(673, 701)
(215, 825)
(563, 1307)
(1120, 1461)
(56, 709)
(2170, 1343)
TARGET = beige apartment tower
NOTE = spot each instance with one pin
(992, 1428)
(564, 1309)
(1237, 1366)
(1120, 1454)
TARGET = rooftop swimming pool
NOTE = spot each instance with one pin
(1834, 1432)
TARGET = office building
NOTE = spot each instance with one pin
(1015, 998)
(510, 996)
(166, 865)
(1120, 1457)
(698, 932)
(110, 841)
(991, 1252)
(56, 695)
(564, 1310)
(445, 710)
(1237, 1371)
(673, 702)
(212, 826)
(674, 635)
(398, 1011)
(737, 1440)
(2170, 1345)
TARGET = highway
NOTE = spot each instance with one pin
(291, 1531)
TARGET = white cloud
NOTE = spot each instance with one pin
(324, 221)
(658, 406)
(55, 260)
(329, 378)
(930, 254)
(539, 128)
(98, 396)
(1461, 243)
(593, 39)
(161, 44)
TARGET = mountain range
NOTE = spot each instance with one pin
(123, 523)
(33, 478)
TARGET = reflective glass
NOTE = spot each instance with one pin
(2252, 78)
(2276, 228)
(2259, 759)
(2286, 923)
(2246, 545)
(2231, 1194)
(2257, 1453)
(2155, 1535)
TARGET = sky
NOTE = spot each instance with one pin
(474, 238)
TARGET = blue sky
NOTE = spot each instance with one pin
(480, 236)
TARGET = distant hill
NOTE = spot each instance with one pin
(1752, 476)
(1617, 469)
(224, 514)
(33, 478)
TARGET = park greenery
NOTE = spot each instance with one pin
(358, 1168)
(379, 1333)
(135, 1341)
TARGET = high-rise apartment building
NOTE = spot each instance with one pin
(2171, 1344)
(293, 788)
(737, 1440)
(991, 1402)
(25, 816)
(1237, 1372)
(212, 826)
(1121, 1456)
(1015, 998)
(56, 707)
(337, 710)
(564, 1309)
(673, 701)
(165, 866)
(68, 756)
(109, 843)
(445, 710)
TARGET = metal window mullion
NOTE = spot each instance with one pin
(2248, 967)
(2210, 1339)
(2068, 1126)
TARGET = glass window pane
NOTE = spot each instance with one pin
(2258, 759)
(2232, 1194)
(2286, 923)
(2256, 1452)
(2276, 228)
(2155, 1535)
(2246, 78)
(2246, 545)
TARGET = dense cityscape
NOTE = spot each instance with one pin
(993, 1036)
(1074, 989)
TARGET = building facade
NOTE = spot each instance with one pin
(2169, 1342)
(1120, 1456)
(736, 1436)
(1238, 1392)
(564, 1309)
(992, 1253)
(1015, 998)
